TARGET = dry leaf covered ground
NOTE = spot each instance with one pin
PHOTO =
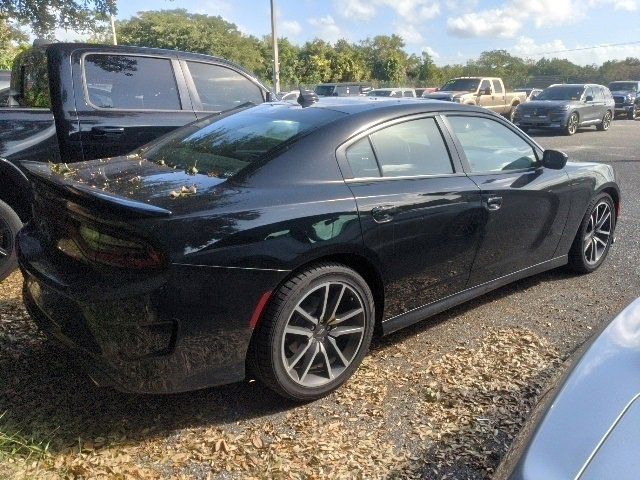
(403, 415)
(441, 399)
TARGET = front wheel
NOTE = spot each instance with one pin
(315, 332)
(633, 113)
(9, 225)
(595, 235)
(572, 124)
(606, 122)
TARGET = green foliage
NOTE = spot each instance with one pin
(11, 43)
(45, 15)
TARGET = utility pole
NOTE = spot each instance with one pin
(113, 29)
(274, 39)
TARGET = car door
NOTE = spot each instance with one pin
(499, 99)
(216, 87)
(126, 100)
(588, 110)
(525, 204)
(599, 103)
(485, 100)
(419, 212)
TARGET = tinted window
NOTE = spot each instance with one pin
(411, 148)
(342, 91)
(497, 87)
(561, 92)
(461, 85)
(362, 160)
(484, 85)
(221, 146)
(599, 94)
(221, 88)
(131, 82)
(490, 146)
(590, 93)
(396, 94)
(408, 93)
(325, 90)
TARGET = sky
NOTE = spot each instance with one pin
(452, 31)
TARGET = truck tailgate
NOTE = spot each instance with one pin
(28, 134)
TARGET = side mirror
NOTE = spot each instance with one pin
(271, 97)
(554, 159)
(589, 98)
(485, 91)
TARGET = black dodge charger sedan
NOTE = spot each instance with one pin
(280, 238)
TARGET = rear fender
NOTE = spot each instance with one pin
(15, 189)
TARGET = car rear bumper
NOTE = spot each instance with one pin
(184, 329)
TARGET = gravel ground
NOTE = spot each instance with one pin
(441, 399)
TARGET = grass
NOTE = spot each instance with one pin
(14, 444)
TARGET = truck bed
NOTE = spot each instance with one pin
(28, 134)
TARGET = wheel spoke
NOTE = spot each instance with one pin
(339, 331)
(597, 240)
(293, 330)
(335, 307)
(594, 250)
(332, 342)
(326, 360)
(603, 219)
(306, 315)
(325, 301)
(299, 355)
(310, 359)
(349, 315)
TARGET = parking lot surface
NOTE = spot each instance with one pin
(442, 398)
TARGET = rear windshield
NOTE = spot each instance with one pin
(380, 93)
(624, 86)
(461, 85)
(223, 146)
(564, 92)
(325, 90)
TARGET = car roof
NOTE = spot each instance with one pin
(356, 105)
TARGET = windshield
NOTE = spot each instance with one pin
(561, 92)
(461, 85)
(380, 93)
(623, 86)
(223, 146)
(325, 90)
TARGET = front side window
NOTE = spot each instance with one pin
(408, 93)
(128, 82)
(590, 93)
(490, 146)
(221, 88)
(497, 86)
(411, 148)
(484, 86)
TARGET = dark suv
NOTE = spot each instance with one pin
(567, 107)
(627, 97)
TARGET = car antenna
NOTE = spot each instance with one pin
(306, 97)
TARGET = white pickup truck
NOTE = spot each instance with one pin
(487, 92)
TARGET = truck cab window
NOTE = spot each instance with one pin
(484, 85)
(127, 82)
(497, 86)
(221, 88)
(32, 74)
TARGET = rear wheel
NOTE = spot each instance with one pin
(572, 124)
(606, 122)
(10, 224)
(314, 334)
(595, 235)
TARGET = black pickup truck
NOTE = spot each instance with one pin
(72, 102)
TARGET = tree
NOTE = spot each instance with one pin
(44, 16)
(11, 42)
(387, 58)
(192, 32)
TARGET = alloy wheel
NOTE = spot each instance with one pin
(572, 126)
(323, 334)
(598, 233)
(606, 121)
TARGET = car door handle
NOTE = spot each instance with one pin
(383, 213)
(493, 203)
(107, 131)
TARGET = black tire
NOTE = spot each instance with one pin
(572, 124)
(577, 255)
(633, 113)
(10, 224)
(606, 122)
(512, 113)
(267, 347)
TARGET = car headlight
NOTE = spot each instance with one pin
(629, 98)
(562, 108)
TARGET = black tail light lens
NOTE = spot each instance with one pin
(89, 242)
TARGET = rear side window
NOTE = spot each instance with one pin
(221, 88)
(490, 146)
(362, 160)
(411, 148)
(497, 87)
(126, 82)
(408, 93)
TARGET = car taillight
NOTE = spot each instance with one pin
(110, 249)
